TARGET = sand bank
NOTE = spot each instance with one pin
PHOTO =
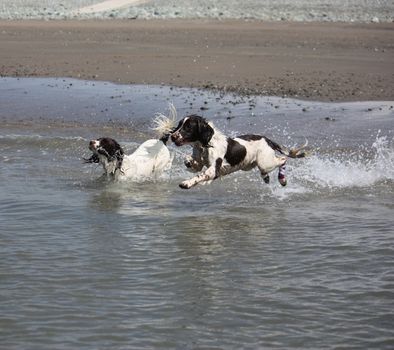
(318, 61)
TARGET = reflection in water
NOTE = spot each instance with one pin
(133, 199)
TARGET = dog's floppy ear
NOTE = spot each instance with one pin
(206, 132)
(176, 128)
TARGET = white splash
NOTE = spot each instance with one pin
(362, 169)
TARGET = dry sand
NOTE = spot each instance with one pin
(320, 61)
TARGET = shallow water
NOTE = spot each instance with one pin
(89, 264)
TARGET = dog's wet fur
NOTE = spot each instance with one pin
(222, 155)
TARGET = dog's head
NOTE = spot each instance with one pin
(192, 128)
(106, 151)
(107, 147)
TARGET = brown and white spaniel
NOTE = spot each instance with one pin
(222, 155)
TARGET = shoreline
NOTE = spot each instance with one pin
(310, 61)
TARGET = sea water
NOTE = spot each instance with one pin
(237, 264)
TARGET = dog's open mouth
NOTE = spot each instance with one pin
(179, 142)
(178, 139)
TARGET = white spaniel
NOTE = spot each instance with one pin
(148, 161)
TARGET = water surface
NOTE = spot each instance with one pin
(90, 264)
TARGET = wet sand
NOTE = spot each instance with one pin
(317, 61)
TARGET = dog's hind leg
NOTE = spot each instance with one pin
(282, 174)
(267, 163)
(265, 176)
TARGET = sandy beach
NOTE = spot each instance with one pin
(317, 61)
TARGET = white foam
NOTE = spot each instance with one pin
(345, 170)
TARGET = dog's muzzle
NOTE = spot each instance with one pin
(177, 138)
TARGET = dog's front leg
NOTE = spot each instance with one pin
(195, 162)
(193, 165)
(207, 175)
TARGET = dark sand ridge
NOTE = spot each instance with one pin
(320, 61)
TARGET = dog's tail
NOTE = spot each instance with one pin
(163, 125)
(296, 152)
(299, 152)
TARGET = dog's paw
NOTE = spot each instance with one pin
(282, 181)
(185, 185)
